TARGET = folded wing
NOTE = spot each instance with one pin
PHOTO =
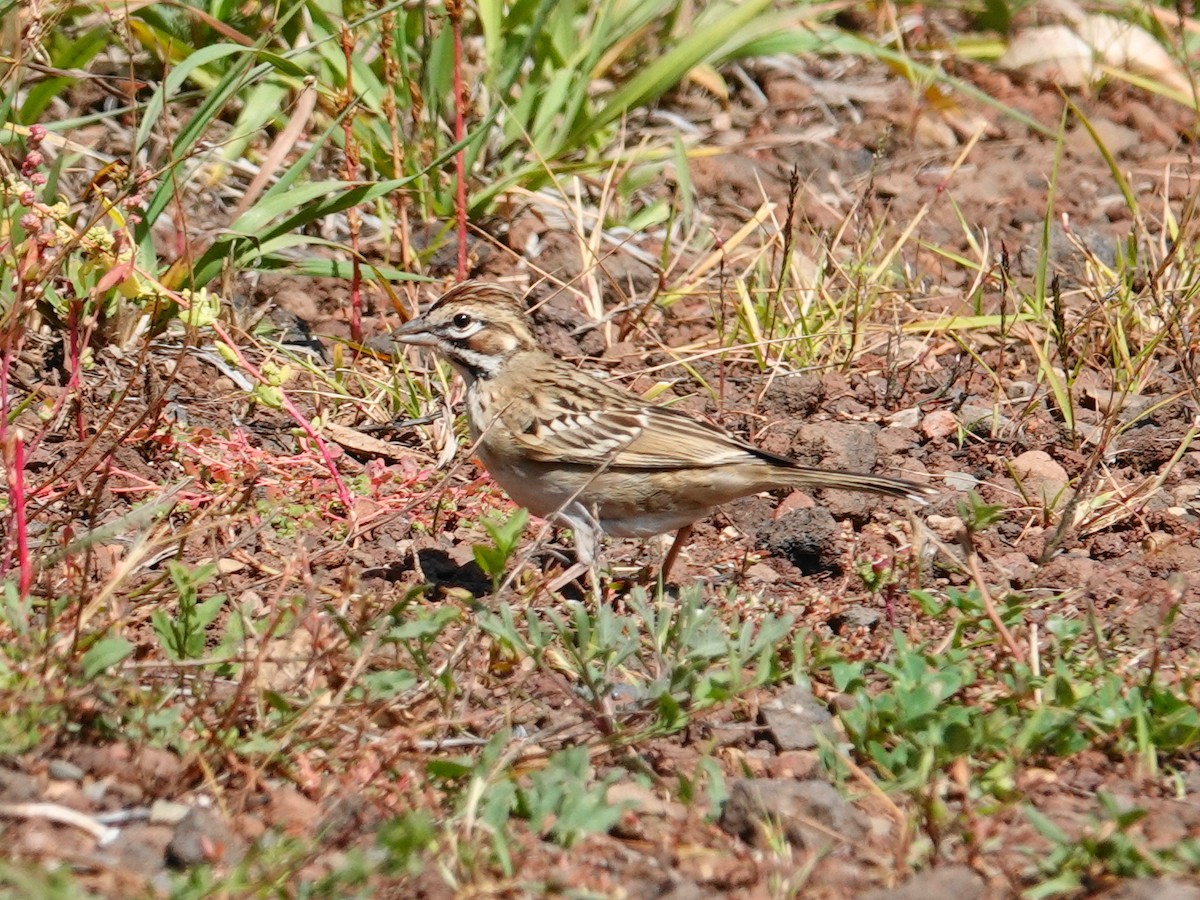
(647, 437)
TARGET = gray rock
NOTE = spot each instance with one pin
(905, 418)
(810, 814)
(141, 848)
(1066, 259)
(203, 837)
(807, 538)
(946, 883)
(1020, 390)
(794, 718)
(18, 787)
(960, 481)
(846, 446)
(853, 617)
(797, 395)
(1153, 889)
(166, 812)
(95, 791)
(61, 770)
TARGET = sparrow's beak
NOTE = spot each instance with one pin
(415, 332)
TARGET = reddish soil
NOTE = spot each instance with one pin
(923, 409)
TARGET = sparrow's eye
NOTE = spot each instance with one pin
(461, 320)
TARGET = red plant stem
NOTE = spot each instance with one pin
(6, 359)
(454, 9)
(305, 425)
(15, 455)
(12, 440)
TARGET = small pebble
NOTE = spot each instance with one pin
(905, 418)
(1041, 477)
(165, 812)
(940, 423)
(960, 481)
(95, 790)
(1019, 390)
(948, 528)
(762, 572)
(61, 770)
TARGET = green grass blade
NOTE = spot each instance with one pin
(313, 201)
(666, 71)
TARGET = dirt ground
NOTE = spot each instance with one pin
(921, 407)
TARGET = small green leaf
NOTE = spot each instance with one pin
(449, 769)
(382, 685)
(104, 654)
(405, 838)
(1046, 826)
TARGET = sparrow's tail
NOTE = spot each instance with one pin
(803, 477)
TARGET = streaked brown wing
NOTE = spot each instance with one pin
(635, 437)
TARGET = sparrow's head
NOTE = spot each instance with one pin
(476, 326)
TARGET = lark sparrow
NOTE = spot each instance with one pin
(569, 447)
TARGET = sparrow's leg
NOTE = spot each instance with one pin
(586, 528)
(681, 538)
